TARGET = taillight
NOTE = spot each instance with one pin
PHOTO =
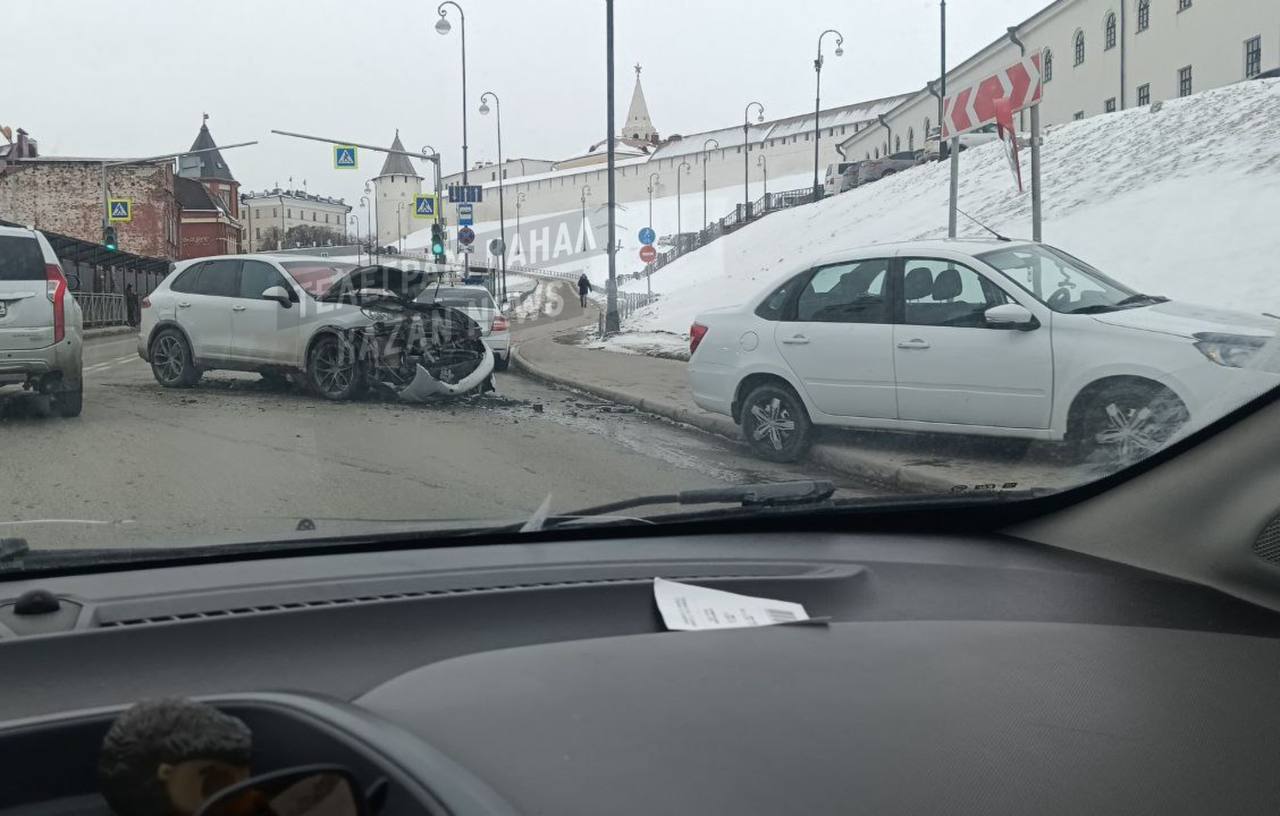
(696, 332)
(55, 286)
(499, 324)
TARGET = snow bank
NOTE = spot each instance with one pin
(1180, 201)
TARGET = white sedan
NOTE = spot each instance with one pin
(994, 338)
(479, 305)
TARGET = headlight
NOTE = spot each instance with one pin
(1232, 350)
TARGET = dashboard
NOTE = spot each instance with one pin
(959, 673)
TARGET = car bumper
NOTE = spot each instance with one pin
(712, 386)
(499, 344)
(20, 365)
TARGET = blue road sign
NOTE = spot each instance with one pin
(466, 235)
(344, 157)
(424, 206)
(466, 215)
(466, 193)
(647, 235)
(120, 209)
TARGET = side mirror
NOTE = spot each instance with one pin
(73, 281)
(279, 294)
(1011, 316)
(313, 790)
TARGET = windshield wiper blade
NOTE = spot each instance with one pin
(1141, 298)
(764, 494)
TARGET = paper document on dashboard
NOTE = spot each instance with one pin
(685, 607)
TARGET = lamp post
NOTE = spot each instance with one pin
(248, 216)
(746, 161)
(400, 226)
(817, 103)
(443, 27)
(705, 155)
(764, 169)
(502, 213)
(519, 201)
(432, 155)
(586, 190)
(368, 218)
(684, 165)
(354, 221)
(652, 176)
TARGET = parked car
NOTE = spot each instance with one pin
(337, 327)
(41, 324)
(976, 337)
(479, 305)
(837, 179)
(876, 169)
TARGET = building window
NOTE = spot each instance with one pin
(927, 123)
(1184, 81)
(1252, 57)
(868, 155)
(1109, 106)
(326, 218)
(1079, 48)
(257, 232)
(1144, 94)
(493, 176)
(1078, 115)
(877, 152)
(1109, 32)
(1183, 5)
(1046, 65)
(897, 144)
(911, 138)
(289, 213)
(1144, 15)
(806, 135)
(275, 213)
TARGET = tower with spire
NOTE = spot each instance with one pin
(638, 128)
(394, 188)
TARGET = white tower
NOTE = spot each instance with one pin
(394, 189)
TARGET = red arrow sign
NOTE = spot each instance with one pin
(974, 106)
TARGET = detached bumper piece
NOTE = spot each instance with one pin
(425, 386)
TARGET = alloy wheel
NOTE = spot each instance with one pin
(774, 421)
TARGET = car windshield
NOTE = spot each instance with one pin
(251, 294)
(1061, 282)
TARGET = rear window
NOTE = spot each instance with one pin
(460, 298)
(20, 258)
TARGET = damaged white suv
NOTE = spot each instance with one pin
(338, 328)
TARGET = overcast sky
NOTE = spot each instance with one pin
(132, 77)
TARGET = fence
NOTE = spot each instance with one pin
(101, 309)
(628, 304)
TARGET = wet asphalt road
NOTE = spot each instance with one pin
(235, 459)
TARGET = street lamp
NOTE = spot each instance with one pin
(586, 190)
(519, 238)
(432, 155)
(652, 176)
(502, 213)
(817, 103)
(764, 169)
(679, 215)
(354, 221)
(443, 27)
(746, 162)
(705, 157)
(368, 218)
(400, 226)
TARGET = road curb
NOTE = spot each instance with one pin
(834, 457)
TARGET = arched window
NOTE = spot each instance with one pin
(911, 138)
(877, 152)
(897, 144)
(1109, 32)
(1046, 65)
(1079, 48)
(868, 155)
(927, 123)
(1144, 14)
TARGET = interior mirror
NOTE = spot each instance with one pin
(279, 294)
(314, 790)
(1011, 316)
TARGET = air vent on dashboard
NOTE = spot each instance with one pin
(1267, 545)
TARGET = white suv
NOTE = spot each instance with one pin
(41, 325)
(994, 338)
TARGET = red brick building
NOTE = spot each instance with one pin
(208, 197)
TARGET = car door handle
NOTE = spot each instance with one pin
(796, 340)
(916, 343)
(184, 305)
(238, 308)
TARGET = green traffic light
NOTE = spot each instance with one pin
(437, 249)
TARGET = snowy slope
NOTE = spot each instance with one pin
(1183, 202)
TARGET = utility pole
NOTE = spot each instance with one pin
(611, 322)
(942, 86)
(746, 160)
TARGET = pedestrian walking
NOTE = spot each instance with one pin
(584, 287)
(130, 305)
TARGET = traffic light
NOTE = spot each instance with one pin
(109, 238)
(437, 240)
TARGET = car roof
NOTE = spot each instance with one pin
(19, 231)
(964, 246)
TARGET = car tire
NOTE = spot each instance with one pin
(500, 363)
(68, 402)
(333, 371)
(1124, 421)
(171, 361)
(775, 424)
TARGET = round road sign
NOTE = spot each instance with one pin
(496, 247)
(647, 235)
(648, 254)
(466, 235)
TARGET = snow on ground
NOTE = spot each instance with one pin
(1180, 202)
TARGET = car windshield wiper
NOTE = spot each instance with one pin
(765, 494)
(1138, 299)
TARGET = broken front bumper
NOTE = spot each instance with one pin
(424, 386)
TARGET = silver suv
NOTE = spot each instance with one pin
(41, 325)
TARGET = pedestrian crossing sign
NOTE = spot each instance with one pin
(120, 210)
(344, 157)
(424, 206)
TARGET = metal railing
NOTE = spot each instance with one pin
(628, 304)
(101, 309)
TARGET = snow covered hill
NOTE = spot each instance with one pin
(1182, 201)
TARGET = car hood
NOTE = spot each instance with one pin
(1186, 319)
(406, 284)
